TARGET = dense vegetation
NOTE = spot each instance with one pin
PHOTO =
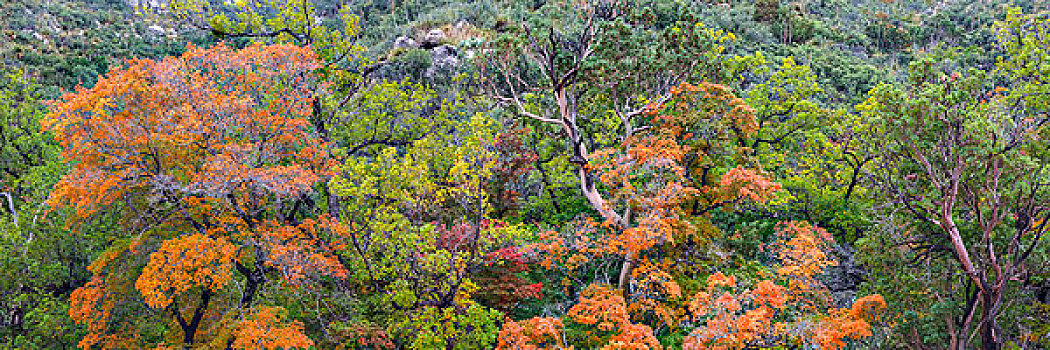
(511, 174)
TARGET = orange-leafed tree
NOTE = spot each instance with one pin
(601, 308)
(655, 181)
(791, 308)
(664, 174)
(604, 94)
(677, 167)
(209, 161)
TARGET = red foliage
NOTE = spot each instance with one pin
(514, 164)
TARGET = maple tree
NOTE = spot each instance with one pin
(775, 311)
(207, 157)
(601, 307)
(262, 330)
(792, 308)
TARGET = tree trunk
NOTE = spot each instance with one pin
(254, 278)
(189, 329)
(625, 273)
(989, 328)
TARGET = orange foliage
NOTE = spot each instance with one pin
(651, 176)
(210, 122)
(848, 323)
(599, 306)
(654, 293)
(297, 252)
(725, 323)
(532, 334)
(645, 176)
(801, 250)
(731, 317)
(182, 263)
(705, 103)
(605, 308)
(91, 306)
(264, 330)
(701, 117)
(201, 148)
(747, 183)
(648, 172)
(633, 337)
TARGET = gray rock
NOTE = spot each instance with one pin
(36, 35)
(445, 52)
(404, 42)
(157, 30)
(446, 60)
(147, 3)
(433, 39)
(844, 278)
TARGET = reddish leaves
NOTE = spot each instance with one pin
(210, 123)
(731, 317)
(265, 329)
(185, 262)
(200, 151)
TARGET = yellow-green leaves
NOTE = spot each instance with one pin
(393, 205)
(281, 21)
(383, 114)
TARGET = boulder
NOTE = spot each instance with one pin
(445, 59)
(433, 39)
(404, 42)
(157, 30)
(147, 3)
(445, 53)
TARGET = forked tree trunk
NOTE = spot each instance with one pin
(989, 328)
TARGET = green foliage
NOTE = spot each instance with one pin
(442, 193)
(35, 309)
(433, 328)
(67, 43)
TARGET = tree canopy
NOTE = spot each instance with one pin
(600, 174)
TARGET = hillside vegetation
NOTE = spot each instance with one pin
(524, 174)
